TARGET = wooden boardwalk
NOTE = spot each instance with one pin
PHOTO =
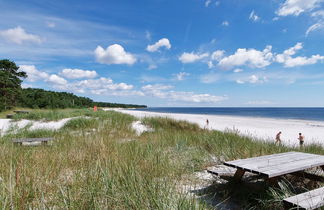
(276, 165)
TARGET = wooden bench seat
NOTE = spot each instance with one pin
(29, 140)
(21, 112)
(309, 200)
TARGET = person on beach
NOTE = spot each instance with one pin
(207, 124)
(278, 139)
(301, 139)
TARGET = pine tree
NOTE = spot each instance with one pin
(10, 83)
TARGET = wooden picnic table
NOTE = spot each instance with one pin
(273, 166)
(29, 140)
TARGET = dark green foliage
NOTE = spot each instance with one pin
(39, 98)
(10, 81)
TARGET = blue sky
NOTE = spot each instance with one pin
(170, 53)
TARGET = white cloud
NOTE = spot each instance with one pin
(33, 73)
(314, 27)
(217, 55)
(254, 17)
(250, 57)
(192, 97)
(114, 54)
(225, 23)
(18, 35)
(164, 42)
(57, 80)
(237, 70)
(181, 75)
(192, 57)
(207, 2)
(102, 85)
(162, 91)
(289, 61)
(296, 7)
(78, 73)
(156, 87)
(253, 79)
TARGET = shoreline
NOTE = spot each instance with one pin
(256, 127)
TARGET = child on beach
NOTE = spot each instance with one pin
(301, 139)
(278, 140)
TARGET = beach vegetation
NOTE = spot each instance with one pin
(89, 165)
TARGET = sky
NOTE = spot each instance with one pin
(196, 53)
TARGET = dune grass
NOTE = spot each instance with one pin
(89, 166)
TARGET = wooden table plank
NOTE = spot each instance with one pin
(278, 164)
(308, 200)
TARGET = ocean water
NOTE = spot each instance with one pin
(316, 114)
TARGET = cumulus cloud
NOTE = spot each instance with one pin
(33, 73)
(114, 54)
(19, 36)
(161, 91)
(250, 57)
(217, 55)
(289, 61)
(181, 75)
(254, 17)
(57, 80)
(296, 7)
(78, 73)
(192, 57)
(164, 42)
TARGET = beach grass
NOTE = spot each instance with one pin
(98, 162)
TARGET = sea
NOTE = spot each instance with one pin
(316, 114)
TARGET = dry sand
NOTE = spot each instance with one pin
(261, 128)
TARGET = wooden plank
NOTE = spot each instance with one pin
(239, 174)
(21, 112)
(292, 167)
(278, 164)
(32, 140)
(260, 158)
(259, 163)
(308, 200)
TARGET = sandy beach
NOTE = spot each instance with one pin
(261, 128)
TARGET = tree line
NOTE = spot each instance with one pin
(11, 93)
